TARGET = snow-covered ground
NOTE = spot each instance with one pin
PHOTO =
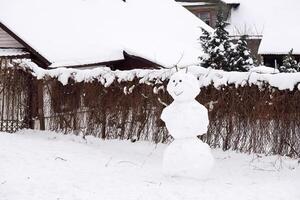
(48, 166)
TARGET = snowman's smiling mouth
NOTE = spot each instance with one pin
(178, 93)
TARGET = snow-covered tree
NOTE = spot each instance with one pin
(221, 53)
(217, 46)
(289, 65)
(240, 58)
(205, 40)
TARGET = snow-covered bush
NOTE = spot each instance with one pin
(289, 65)
(241, 60)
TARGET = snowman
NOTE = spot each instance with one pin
(185, 119)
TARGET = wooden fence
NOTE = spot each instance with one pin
(15, 97)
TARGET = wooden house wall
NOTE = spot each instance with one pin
(6, 41)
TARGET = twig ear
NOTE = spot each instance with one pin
(186, 70)
(176, 65)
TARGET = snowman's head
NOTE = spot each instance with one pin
(183, 86)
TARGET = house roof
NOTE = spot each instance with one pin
(280, 40)
(231, 1)
(190, 4)
(80, 32)
(207, 2)
(274, 20)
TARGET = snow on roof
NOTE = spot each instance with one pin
(275, 20)
(231, 1)
(183, 3)
(280, 40)
(201, 3)
(77, 32)
(12, 52)
(249, 18)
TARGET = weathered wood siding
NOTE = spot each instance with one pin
(7, 41)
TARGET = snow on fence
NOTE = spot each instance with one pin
(258, 76)
(249, 112)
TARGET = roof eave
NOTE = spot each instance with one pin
(41, 59)
(106, 63)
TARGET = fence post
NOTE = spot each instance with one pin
(40, 103)
(30, 103)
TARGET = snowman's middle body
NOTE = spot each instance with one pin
(185, 119)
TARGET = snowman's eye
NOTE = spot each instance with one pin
(173, 81)
(180, 81)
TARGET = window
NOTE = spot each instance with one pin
(206, 17)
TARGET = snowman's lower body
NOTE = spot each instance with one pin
(188, 157)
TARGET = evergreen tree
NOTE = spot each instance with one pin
(205, 40)
(221, 53)
(241, 59)
(217, 46)
(289, 65)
